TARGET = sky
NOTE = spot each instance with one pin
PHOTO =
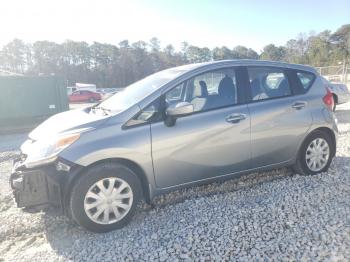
(251, 23)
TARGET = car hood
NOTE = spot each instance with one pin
(68, 122)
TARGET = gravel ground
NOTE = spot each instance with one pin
(264, 216)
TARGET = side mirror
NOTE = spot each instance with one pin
(180, 109)
(177, 110)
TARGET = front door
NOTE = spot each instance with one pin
(213, 141)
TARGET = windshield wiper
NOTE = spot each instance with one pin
(106, 111)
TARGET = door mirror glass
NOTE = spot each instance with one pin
(179, 109)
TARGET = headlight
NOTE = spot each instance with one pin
(45, 151)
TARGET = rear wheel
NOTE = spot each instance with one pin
(315, 154)
(91, 100)
(105, 197)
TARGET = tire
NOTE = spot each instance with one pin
(80, 200)
(301, 166)
(91, 100)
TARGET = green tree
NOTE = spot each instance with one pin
(108, 65)
(341, 41)
(184, 48)
(272, 52)
(14, 56)
(75, 61)
(222, 53)
(197, 55)
(47, 57)
(155, 44)
(169, 50)
(242, 52)
(319, 49)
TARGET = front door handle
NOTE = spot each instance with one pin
(299, 105)
(235, 118)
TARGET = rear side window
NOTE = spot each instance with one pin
(267, 83)
(306, 79)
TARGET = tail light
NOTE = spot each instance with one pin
(328, 100)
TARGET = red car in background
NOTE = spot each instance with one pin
(84, 96)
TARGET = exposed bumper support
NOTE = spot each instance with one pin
(37, 187)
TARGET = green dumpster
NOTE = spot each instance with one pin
(27, 101)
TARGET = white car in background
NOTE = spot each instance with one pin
(341, 93)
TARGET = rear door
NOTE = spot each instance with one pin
(279, 117)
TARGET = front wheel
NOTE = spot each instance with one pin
(105, 197)
(315, 154)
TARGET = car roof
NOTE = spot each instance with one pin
(245, 62)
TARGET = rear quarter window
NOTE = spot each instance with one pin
(306, 79)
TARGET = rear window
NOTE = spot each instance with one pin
(306, 79)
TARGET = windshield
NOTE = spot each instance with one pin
(135, 92)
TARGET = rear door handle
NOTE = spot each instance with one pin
(235, 118)
(299, 105)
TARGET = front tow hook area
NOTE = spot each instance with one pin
(30, 188)
(17, 183)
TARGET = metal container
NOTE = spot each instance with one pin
(27, 101)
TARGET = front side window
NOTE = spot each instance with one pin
(267, 83)
(210, 90)
(175, 94)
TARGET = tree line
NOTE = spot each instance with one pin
(110, 65)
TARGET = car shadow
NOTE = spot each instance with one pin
(343, 113)
(343, 116)
(63, 233)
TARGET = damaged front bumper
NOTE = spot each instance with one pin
(41, 186)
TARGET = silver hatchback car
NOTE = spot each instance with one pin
(179, 127)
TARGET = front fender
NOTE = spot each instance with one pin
(112, 142)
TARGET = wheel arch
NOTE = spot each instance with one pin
(335, 97)
(327, 131)
(297, 166)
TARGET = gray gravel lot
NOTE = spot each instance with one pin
(276, 215)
